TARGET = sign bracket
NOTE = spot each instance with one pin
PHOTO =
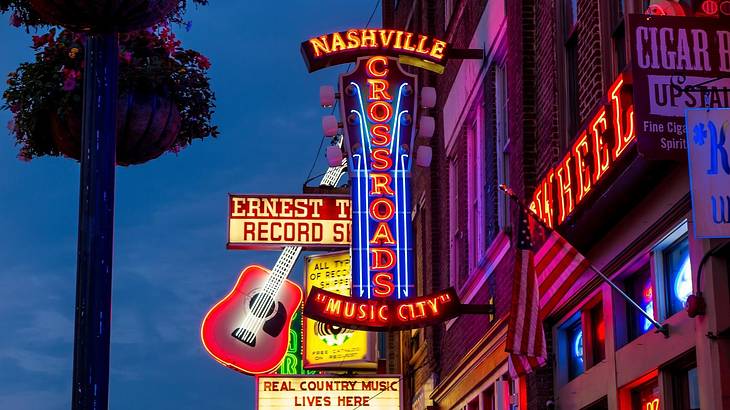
(467, 53)
(477, 309)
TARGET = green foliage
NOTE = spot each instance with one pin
(151, 62)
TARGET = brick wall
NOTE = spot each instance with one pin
(590, 83)
(546, 75)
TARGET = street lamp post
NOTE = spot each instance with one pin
(96, 224)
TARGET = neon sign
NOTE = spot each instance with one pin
(379, 315)
(648, 305)
(341, 47)
(594, 153)
(293, 363)
(379, 103)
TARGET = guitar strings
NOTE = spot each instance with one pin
(253, 323)
(287, 256)
(259, 306)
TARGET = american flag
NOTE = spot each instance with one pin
(525, 334)
(541, 281)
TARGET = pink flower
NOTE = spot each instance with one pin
(69, 79)
(24, 155)
(11, 125)
(127, 57)
(69, 84)
(203, 62)
(15, 108)
(40, 40)
(16, 20)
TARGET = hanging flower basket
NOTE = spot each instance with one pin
(165, 98)
(147, 127)
(95, 15)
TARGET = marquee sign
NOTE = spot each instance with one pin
(382, 392)
(346, 46)
(599, 146)
(275, 221)
(678, 63)
(327, 345)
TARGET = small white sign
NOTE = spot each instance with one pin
(708, 140)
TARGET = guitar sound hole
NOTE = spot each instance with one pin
(262, 306)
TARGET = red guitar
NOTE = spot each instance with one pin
(249, 329)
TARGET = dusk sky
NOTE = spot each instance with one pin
(170, 262)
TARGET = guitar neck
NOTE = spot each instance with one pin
(290, 254)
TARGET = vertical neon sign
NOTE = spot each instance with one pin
(379, 104)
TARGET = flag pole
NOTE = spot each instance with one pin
(663, 329)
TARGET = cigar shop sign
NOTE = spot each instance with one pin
(678, 63)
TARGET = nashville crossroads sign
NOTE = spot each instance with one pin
(379, 112)
(275, 221)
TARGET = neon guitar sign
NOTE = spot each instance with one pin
(248, 330)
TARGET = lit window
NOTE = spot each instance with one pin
(639, 288)
(574, 339)
(594, 318)
(677, 275)
(646, 396)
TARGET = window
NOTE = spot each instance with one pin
(500, 97)
(639, 288)
(582, 341)
(646, 396)
(677, 275)
(488, 399)
(601, 404)
(571, 351)
(570, 14)
(457, 217)
(685, 388)
(570, 37)
(477, 164)
(618, 36)
(596, 344)
(574, 340)
(448, 12)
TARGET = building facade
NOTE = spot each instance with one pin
(556, 74)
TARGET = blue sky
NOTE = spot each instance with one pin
(170, 259)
